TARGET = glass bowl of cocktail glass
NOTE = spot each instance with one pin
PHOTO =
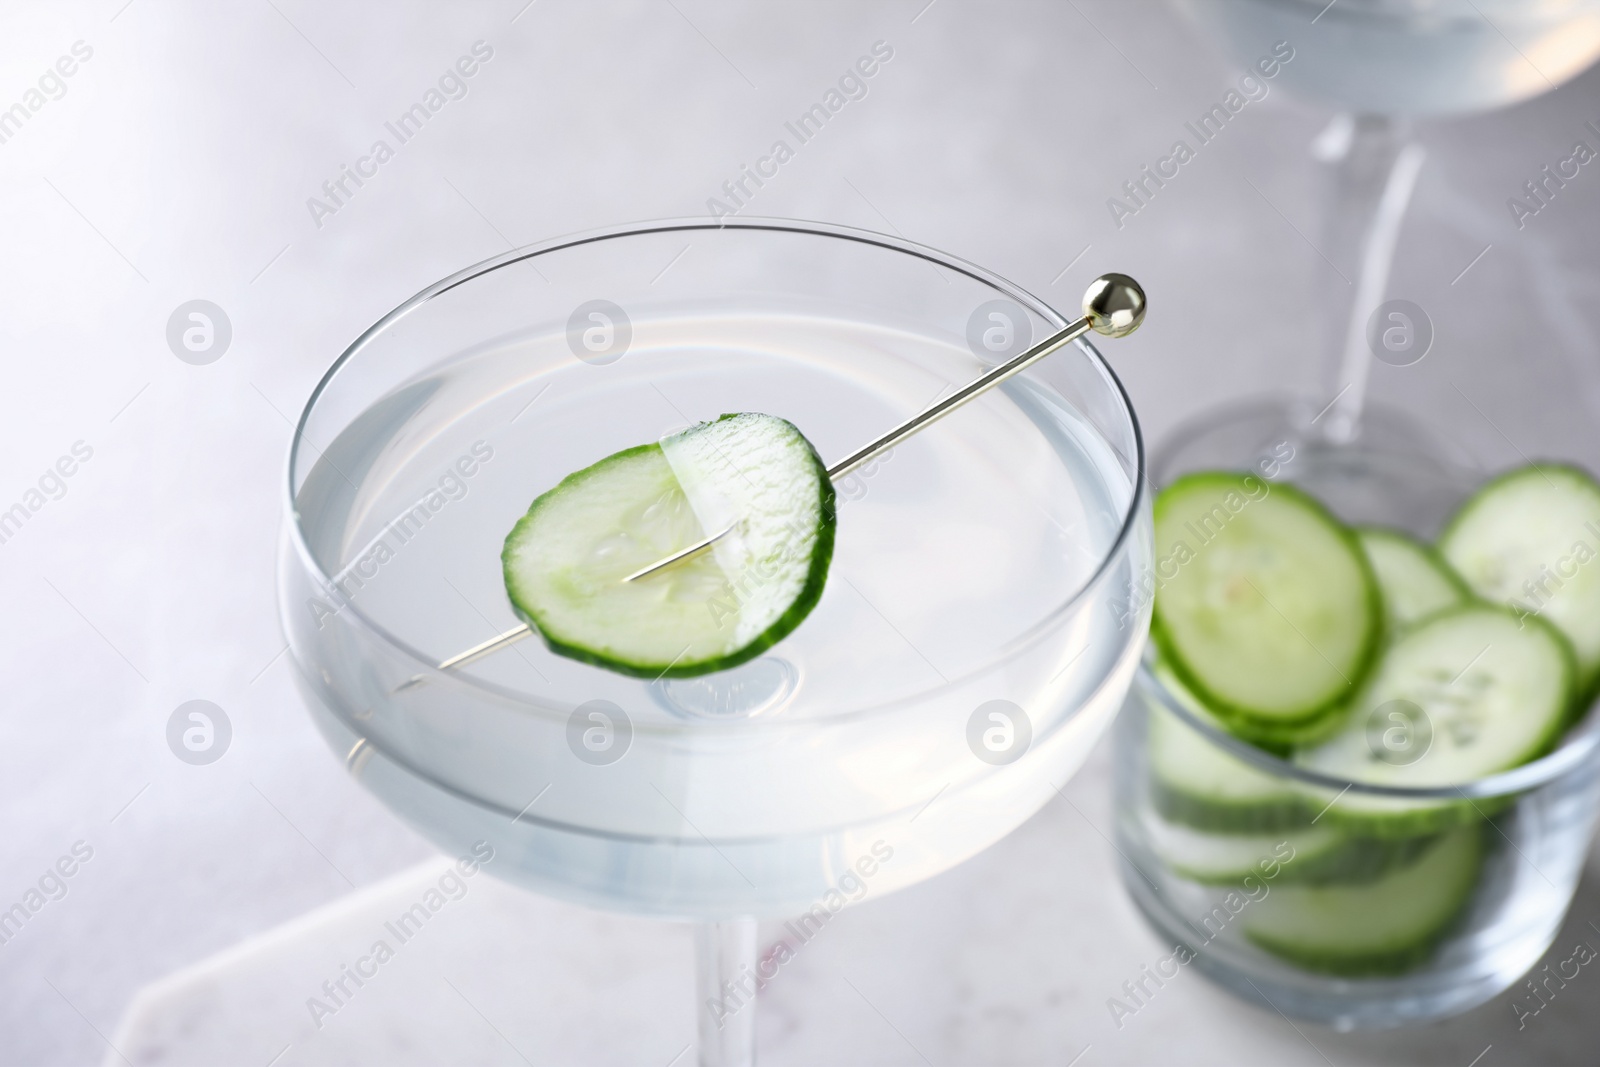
(977, 632)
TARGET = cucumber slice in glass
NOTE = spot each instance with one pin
(1196, 783)
(1278, 738)
(1267, 608)
(1530, 539)
(1466, 693)
(1383, 927)
(1227, 859)
(1414, 581)
(756, 475)
(1310, 855)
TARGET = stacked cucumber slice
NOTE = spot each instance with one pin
(1195, 782)
(1464, 694)
(1529, 539)
(1412, 578)
(1272, 608)
(1369, 657)
(1381, 927)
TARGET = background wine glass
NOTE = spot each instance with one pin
(1383, 63)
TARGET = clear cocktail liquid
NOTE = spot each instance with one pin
(751, 791)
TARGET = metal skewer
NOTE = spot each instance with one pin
(684, 553)
(494, 644)
(1113, 306)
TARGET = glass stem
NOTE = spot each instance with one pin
(725, 992)
(1368, 167)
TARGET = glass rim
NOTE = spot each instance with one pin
(1578, 748)
(429, 666)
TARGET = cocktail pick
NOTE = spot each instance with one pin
(1113, 306)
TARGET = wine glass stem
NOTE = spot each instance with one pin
(1368, 166)
(725, 992)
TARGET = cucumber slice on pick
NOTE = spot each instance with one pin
(1382, 927)
(566, 559)
(1415, 583)
(1530, 539)
(1267, 607)
(1468, 692)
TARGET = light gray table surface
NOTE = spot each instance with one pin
(177, 163)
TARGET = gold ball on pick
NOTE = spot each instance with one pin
(1114, 305)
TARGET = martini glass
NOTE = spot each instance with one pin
(979, 629)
